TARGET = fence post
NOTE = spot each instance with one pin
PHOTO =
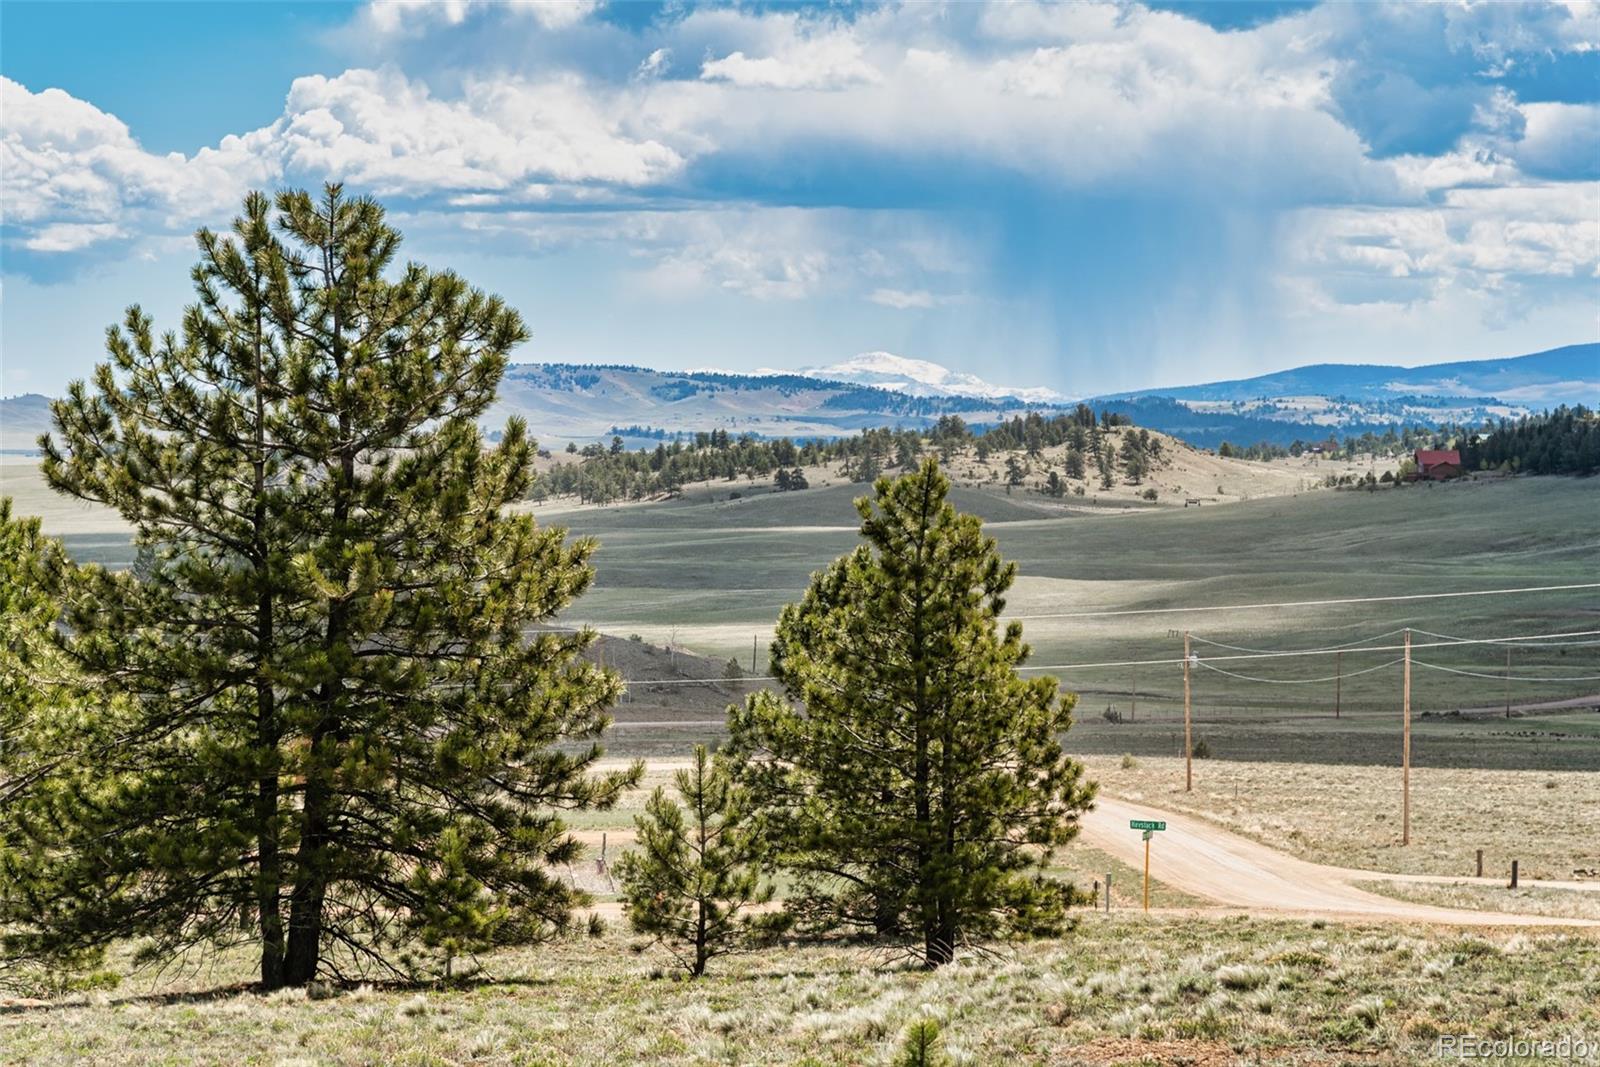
(1108, 892)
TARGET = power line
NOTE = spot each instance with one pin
(1213, 659)
(1449, 637)
(1313, 652)
(1300, 681)
(1505, 677)
(1307, 603)
(1320, 648)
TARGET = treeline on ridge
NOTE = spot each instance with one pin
(600, 473)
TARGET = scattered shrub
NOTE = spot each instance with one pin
(1242, 976)
(1471, 948)
(1368, 1011)
(1299, 957)
(1344, 1031)
(1128, 762)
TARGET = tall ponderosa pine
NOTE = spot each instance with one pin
(692, 880)
(912, 779)
(338, 734)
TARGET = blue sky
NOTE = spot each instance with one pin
(1087, 197)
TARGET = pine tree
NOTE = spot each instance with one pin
(921, 1045)
(694, 877)
(1015, 473)
(337, 735)
(1074, 463)
(912, 780)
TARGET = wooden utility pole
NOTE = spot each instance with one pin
(1188, 742)
(1508, 683)
(753, 640)
(1405, 751)
(1338, 681)
(1133, 708)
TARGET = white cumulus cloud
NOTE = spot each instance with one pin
(381, 129)
(805, 58)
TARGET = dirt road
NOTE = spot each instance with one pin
(1208, 861)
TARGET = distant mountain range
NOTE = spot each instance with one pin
(918, 377)
(1311, 401)
(565, 402)
(1563, 375)
(577, 402)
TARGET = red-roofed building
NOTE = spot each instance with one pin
(1438, 464)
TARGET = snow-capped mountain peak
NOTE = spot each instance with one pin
(919, 377)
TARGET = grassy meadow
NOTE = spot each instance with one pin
(1474, 896)
(708, 573)
(1118, 990)
(736, 562)
(733, 564)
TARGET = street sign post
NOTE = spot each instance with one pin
(1149, 826)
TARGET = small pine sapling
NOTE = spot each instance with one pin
(695, 876)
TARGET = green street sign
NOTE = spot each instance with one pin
(1146, 824)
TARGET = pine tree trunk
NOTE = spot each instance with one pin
(311, 861)
(311, 884)
(269, 875)
(311, 881)
(269, 878)
(700, 939)
(945, 921)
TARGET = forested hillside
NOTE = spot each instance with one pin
(1563, 441)
(603, 474)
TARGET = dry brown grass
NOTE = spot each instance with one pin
(1118, 990)
(1559, 903)
(1350, 816)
